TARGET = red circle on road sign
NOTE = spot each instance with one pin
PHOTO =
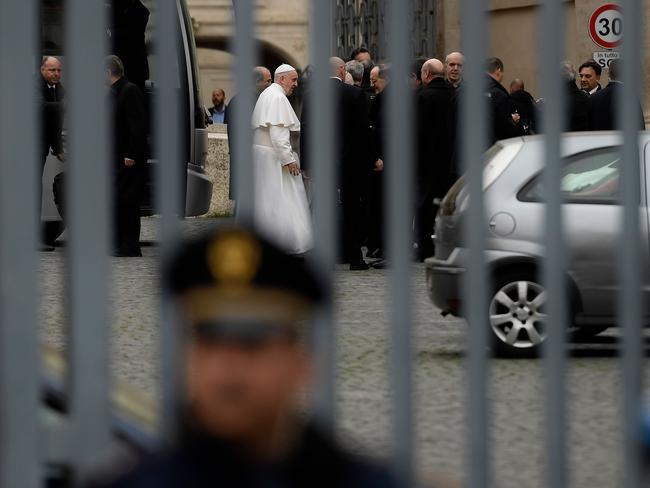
(595, 36)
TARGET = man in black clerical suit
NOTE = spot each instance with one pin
(51, 95)
(263, 80)
(604, 103)
(354, 157)
(436, 124)
(247, 307)
(130, 157)
(503, 122)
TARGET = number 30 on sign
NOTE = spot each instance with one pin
(606, 26)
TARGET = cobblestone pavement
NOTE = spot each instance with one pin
(516, 386)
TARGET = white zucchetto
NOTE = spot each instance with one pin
(284, 68)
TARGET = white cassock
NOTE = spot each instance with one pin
(281, 207)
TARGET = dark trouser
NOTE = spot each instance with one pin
(376, 210)
(128, 192)
(425, 215)
(351, 195)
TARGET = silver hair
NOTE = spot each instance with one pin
(355, 68)
(114, 65)
(568, 71)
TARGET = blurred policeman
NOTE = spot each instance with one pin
(130, 157)
(246, 305)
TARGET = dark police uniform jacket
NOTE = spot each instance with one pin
(51, 117)
(203, 461)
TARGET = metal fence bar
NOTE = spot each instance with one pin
(554, 268)
(88, 226)
(19, 361)
(243, 48)
(630, 305)
(400, 231)
(474, 141)
(169, 202)
(321, 147)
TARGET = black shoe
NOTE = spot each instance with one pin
(135, 253)
(381, 264)
(360, 266)
(45, 247)
(375, 253)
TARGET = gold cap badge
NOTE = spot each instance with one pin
(234, 258)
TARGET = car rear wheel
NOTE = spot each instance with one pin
(517, 316)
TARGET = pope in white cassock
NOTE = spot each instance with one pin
(281, 207)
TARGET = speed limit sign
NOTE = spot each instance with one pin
(606, 26)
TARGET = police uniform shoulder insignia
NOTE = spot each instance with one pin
(234, 258)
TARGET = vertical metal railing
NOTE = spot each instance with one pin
(88, 231)
(20, 456)
(474, 141)
(85, 436)
(630, 304)
(553, 83)
(243, 48)
(169, 201)
(399, 175)
(322, 147)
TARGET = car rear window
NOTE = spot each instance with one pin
(590, 177)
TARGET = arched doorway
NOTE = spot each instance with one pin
(216, 63)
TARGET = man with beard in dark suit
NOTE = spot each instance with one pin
(130, 157)
(354, 157)
(51, 97)
(436, 124)
(604, 102)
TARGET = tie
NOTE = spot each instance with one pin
(53, 93)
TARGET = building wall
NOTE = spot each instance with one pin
(513, 37)
(280, 25)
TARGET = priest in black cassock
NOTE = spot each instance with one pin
(436, 123)
(130, 157)
(354, 158)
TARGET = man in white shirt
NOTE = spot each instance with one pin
(281, 206)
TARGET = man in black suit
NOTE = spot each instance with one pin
(605, 102)
(130, 157)
(503, 122)
(577, 101)
(590, 72)
(380, 79)
(353, 158)
(436, 124)
(263, 80)
(51, 96)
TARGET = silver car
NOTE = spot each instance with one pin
(514, 209)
